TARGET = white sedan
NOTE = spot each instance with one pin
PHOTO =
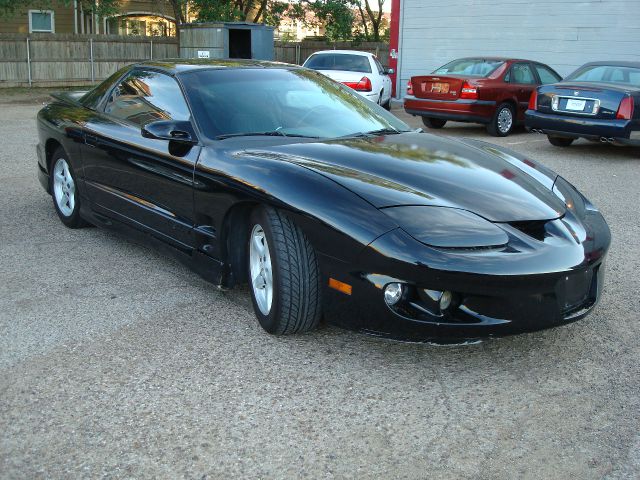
(361, 71)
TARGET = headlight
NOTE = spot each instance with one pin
(447, 227)
(571, 197)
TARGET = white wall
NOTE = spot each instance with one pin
(561, 33)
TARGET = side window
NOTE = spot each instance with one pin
(378, 66)
(521, 73)
(144, 96)
(547, 75)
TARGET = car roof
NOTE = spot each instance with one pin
(178, 65)
(496, 59)
(612, 63)
(344, 52)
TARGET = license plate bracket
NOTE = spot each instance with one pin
(575, 104)
(439, 88)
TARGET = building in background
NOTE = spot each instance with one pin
(426, 34)
(136, 17)
(295, 30)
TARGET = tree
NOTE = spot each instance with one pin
(372, 18)
(256, 11)
(336, 16)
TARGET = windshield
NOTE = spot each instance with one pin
(296, 102)
(470, 67)
(339, 61)
(608, 74)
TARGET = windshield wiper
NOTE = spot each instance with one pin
(374, 133)
(273, 133)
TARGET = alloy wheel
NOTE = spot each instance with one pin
(64, 189)
(260, 269)
(505, 120)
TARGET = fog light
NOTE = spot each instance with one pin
(445, 300)
(393, 293)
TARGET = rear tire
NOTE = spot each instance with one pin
(290, 269)
(503, 121)
(63, 186)
(433, 122)
(560, 141)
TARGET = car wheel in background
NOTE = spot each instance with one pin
(503, 121)
(64, 190)
(433, 122)
(386, 105)
(560, 141)
(284, 277)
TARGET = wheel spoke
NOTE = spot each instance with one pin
(65, 169)
(258, 241)
(258, 281)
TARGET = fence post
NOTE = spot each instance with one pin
(93, 76)
(298, 53)
(29, 62)
(151, 49)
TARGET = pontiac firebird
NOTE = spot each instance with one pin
(325, 204)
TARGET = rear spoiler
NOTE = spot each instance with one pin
(72, 97)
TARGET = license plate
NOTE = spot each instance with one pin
(575, 105)
(439, 88)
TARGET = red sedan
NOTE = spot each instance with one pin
(492, 91)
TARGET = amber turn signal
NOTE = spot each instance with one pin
(340, 286)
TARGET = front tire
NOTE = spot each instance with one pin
(64, 190)
(503, 121)
(433, 122)
(560, 141)
(284, 277)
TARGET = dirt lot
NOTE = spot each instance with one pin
(116, 361)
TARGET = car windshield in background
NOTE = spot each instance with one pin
(472, 67)
(295, 102)
(339, 61)
(607, 74)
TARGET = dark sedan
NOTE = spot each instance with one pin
(600, 101)
(324, 203)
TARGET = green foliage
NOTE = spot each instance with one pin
(336, 15)
(257, 11)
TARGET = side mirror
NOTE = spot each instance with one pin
(389, 71)
(172, 130)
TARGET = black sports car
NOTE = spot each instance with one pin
(326, 204)
(600, 101)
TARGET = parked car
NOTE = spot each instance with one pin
(325, 204)
(361, 71)
(600, 101)
(491, 91)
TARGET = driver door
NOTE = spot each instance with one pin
(145, 183)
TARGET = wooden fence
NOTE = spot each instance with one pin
(64, 59)
(298, 52)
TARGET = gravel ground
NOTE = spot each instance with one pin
(118, 362)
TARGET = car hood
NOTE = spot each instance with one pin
(425, 169)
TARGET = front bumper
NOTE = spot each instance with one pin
(622, 131)
(514, 290)
(461, 110)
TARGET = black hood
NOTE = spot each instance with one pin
(424, 169)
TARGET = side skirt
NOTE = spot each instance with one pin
(210, 269)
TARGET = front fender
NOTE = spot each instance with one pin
(337, 222)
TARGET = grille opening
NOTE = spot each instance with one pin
(534, 228)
